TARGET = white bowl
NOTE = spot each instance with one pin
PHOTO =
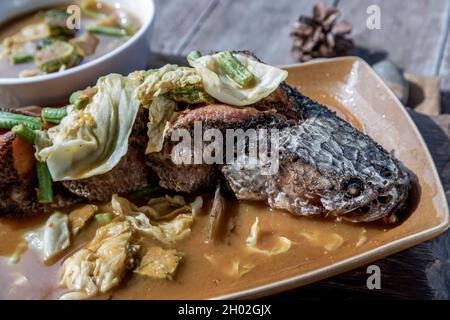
(54, 88)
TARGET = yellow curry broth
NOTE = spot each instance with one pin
(208, 269)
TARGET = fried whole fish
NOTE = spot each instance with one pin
(327, 167)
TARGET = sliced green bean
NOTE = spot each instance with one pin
(129, 27)
(79, 100)
(25, 133)
(45, 190)
(104, 218)
(89, 8)
(145, 192)
(108, 31)
(235, 69)
(190, 95)
(93, 14)
(9, 120)
(54, 115)
(74, 97)
(194, 55)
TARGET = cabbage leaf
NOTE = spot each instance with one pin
(159, 114)
(168, 78)
(220, 86)
(92, 141)
(283, 244)
(166, 219)
(51, 239)
(102, 264)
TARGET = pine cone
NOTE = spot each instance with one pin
(321, 35)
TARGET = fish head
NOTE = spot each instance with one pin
(378, 193)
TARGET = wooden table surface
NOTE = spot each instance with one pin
(414, 35)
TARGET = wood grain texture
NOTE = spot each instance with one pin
(411, 35)
(260, 26)
(421, 272)
(175, 21)
(445, 77)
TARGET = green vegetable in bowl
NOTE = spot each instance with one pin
(129, 27)
(57, 54)
(21, 58)
(89, 8)
(57, 22)
(22, 52)
(107, 31)
(48, 41)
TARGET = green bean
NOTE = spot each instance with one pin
(45, 191)
(92, 14)
(129, 27)
(79, 100)
(104, 218)
(108, 31)
(145, 192)
(194, 55)
(235, 69)
(54, 115)
(74, 97)
(22, 58)
(10, 120)
(190, 95)
(89, 8)
(25, 133)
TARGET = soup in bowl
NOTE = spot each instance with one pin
(48, 47)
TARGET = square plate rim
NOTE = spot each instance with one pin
(368, 256)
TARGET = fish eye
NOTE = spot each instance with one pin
(353, 187)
